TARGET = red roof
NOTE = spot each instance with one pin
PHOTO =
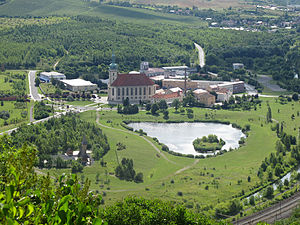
(166, 96)
(132, 80)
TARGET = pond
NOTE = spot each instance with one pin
(179, 137)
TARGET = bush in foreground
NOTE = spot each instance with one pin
(30, 199)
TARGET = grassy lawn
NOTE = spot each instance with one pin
(8, 86)
(8, 80)
(204, 184)
(79, 103)
(48, 88)
(15, 109)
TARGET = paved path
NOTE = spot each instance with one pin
(266, 81)
(34, 94)
(201, 55)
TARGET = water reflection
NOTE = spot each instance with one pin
(179, 137)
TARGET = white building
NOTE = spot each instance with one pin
(79, 85)
(238, 66)
(223, 94)
(47, 76)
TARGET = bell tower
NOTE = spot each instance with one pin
(113, 70)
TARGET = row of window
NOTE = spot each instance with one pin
(132, 91)
(131, 98)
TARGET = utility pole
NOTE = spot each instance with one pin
(185, 82)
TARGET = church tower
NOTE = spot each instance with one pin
(113, 70)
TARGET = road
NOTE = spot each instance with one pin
(274, 213)
(201, 55)
(34, 94)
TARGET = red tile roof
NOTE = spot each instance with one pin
(132, 80)
(166, 96)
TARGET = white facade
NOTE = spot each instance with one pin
(79, 85)
(237, 66)
(47, 76)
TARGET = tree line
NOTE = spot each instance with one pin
(56, 136)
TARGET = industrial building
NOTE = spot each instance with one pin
(47, 76)
(79, 85)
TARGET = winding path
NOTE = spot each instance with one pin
(129, 132)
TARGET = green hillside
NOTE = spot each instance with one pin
(78, 7)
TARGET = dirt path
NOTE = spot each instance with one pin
(31, 113)
(129, 132)
(187, 167)
(42, 173)
(156, 149)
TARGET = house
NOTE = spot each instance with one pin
(83, 155)
(47, 76)
(235, 87)
(204, 97)
(169, 98)
(151, 72)
(135, 86)
(79, 85)
(173, 90)
(223, 95)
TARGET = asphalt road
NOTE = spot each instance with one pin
(201, 55)
(34, 95)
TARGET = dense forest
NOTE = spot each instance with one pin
(85, 45)
(58, 135)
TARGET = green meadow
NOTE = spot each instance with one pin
(10, 86)
(198, 183)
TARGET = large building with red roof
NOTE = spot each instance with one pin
(135, 86)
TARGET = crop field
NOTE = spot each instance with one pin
(204, 4)
(198, 183)
(78, 7)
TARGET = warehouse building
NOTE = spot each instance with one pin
(47, 76)
(79, 85)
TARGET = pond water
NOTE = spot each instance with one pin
(259, 194)
(179, 137)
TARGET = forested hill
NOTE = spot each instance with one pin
(85, 45)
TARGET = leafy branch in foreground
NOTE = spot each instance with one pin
(26, 198)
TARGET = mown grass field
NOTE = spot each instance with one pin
(205, 182)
